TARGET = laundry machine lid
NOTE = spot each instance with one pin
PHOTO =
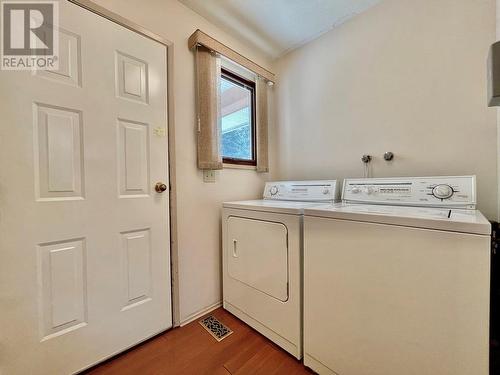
(290, 197)
(455, 220)
(266, 205)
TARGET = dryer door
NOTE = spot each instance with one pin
(258, 255)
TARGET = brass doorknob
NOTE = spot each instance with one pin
(160, 187)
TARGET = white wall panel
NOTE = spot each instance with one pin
(405, 76)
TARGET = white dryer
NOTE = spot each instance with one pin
(396, 279)
(262, 258)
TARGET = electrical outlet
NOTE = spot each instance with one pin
(208, 175)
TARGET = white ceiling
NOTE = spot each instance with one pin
(277, 26)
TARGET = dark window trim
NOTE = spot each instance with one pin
(249, 85)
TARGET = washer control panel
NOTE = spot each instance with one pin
(453, 191)
(305, 191)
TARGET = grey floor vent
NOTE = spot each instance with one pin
(218, 330)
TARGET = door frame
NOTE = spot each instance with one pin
(173, 246)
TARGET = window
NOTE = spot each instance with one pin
(238, 119)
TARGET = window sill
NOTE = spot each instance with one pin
(239, 166)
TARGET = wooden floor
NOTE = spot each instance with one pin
(192, 350)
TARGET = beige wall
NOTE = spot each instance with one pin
(407, 76)
(198, 203)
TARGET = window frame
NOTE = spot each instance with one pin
(249, 85)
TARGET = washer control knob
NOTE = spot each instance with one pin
(356, 190)
(370, 190)
(326, 191)
(273, 190)
(442, 191)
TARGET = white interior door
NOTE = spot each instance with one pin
(84, 237)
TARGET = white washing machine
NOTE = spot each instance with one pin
(396, 279)
(262, 258)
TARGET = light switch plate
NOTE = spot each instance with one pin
(208, 175)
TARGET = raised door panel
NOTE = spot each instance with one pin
(69, 64)
(58, 153)
(62, 287)
(134, 163)
(131, 78)
(137, 270)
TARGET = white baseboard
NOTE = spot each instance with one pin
(200, 313)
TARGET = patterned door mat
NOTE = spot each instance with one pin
(218, 330)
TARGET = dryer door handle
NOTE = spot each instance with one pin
(235, 248)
